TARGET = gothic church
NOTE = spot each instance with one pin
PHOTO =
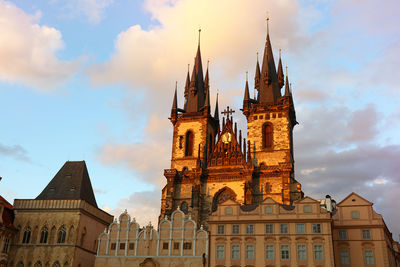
(212, 162)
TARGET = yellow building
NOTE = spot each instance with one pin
(271, 234)
(60, 227)
(360, 235)
(177, 242)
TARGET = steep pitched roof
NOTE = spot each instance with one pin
(351, 200)
(71, 182)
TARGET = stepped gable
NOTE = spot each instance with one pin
(228, 150)
(71, 182)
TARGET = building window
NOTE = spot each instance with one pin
(268, 209)
(269, 252)
(165, 245)
(284, 228)
(121, 245)
(316, 228)
(113, 246)
(355, 214)
(307, 209)
(249, 229)
(83, 235)
(344, 257)
(300, 228)
(301, 252)
(221, 229)
(176, 245)
(369, 257)
(250, 252)
(220, 251)
(6, 245)
(184, 207)
(57, 264)
(132, 246)
(27, 235)
(37, 264)
(366, 234)
(228, 211)
(285, 252)
(342, 234)
(61, 235)
(318, 252)
(267, 135)
(269, 228)
(187, 245)
(43, 235)
(236, 229)
(189, 144)
(235, 252)
(268, 190)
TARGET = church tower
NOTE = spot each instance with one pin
(270, 120)
(212, 161)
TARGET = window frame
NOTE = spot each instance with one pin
(302, 253)
(319, 251)
(367, 258)
(286, 251)
(233, 229)
(282, 227)
(366, 234)
(235, 253)
(250, 253)
(303, 228)
(342, 234)
(316, 228)
(220, 248)
(220, 229)
(249, 229)
(344, 255)
(269, 228)
(269, 248)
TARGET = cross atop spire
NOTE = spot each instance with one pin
(199, 35)
(267, 22)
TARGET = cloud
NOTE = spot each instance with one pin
(28, 50)
(343, 73)
(92, 9)
(16, 151)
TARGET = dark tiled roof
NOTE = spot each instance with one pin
(71, 182)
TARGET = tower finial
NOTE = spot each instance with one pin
(188, 67)
(280, 52)
(208, 63)
(286, 70)
(247, 76)
(257, 56)
(267, 22)
(199, 35)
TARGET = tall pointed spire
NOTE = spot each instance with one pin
(196, 89)
(246, 89)
(216, 112)
(207, 79)
(174, 109)
(281, 77)
(269, 87)
(257, 76)
(187, 85)
(287, 89)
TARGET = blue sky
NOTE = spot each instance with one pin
(93, 81)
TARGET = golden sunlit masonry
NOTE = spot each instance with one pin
(228, 200)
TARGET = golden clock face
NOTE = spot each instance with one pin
(226, 138)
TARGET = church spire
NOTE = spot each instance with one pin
(207, 79)
(216, 112)
(196, 89)
(246, 90)
(257, 76)
(280, 71)
(187, 85)
(287, 89)
(174, 109)
(269, 87)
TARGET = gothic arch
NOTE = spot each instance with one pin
(221, 196)
(189, 143)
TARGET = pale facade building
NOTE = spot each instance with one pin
(360, 235)
(271, 234)
(60, 227)
(177, 242)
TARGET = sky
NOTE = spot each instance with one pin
(93, 80)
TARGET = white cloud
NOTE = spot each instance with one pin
(28, 50)
(92, 9)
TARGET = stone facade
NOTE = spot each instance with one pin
(177, 242)
(360, 235)
(7, 230)
(271, 234)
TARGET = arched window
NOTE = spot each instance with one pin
(27, 235)
(38, 264)
(184, 207)
(61, 235)
(43, 235)
(56, 264)
(189, 144)
(83, 235)
(71, 233)
(267, 135)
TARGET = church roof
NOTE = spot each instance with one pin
(71, 182)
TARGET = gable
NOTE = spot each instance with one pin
(227, 150)
(354, 200)
(306, 200)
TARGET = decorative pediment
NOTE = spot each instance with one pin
(354, 200)
(228, 150)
